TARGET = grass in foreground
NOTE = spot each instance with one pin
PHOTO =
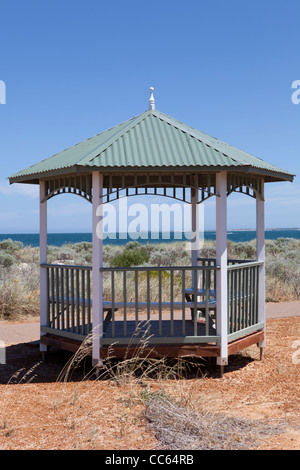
(172, 419)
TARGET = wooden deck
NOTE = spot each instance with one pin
(155, 350)
(156, 330)
(151, 309)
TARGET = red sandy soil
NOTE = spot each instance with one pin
(39, 412)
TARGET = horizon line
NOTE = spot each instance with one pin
(157, 231)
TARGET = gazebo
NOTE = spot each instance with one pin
(211, 308)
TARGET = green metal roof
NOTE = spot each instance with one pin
(150, 140)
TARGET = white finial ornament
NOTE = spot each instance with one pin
(151, 99)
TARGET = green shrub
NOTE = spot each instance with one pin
(134, 254)
(10, 246)
(6, 259)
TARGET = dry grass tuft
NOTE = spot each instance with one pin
(136, 369)
(179, 428)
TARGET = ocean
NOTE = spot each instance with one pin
(58, 239)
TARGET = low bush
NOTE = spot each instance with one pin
(10, 246)
(134, 254)
(6, 259)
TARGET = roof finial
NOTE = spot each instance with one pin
(151, 99)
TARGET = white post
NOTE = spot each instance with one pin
(195, 239)
(260, 256)
(221, 259)
(43, 260)
(97, 264)
(194, 227)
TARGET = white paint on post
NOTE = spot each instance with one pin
(194, 227)
(195, 236)
(221, 258)
(260, 256)
(43, 260)
(97, 264)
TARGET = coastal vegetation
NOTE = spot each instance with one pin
(19, 266)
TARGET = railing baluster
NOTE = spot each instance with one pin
(53, 296)
(148, 295)
(242, 297)
(203, 263)
(77, 302)
(57, 298)
(247, 296)
(252, 294)
(195, 295)
(62, 298)
(125, 300)
(83, 295)
(159, 304)
(136, 289)
(214, 275)
(88, 293)
(239, 297)
(183, 301)
(67, 301)
(172, 302)
(229, 303)
(48, 296)
(234, 300)
(72, 302)
(207, 289)
(257, 292)
(113, 326)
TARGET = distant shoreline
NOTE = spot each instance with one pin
(234, 235)
(206, 231)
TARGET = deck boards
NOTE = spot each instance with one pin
(157, 329)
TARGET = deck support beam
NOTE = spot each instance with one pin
(43, 259)
(221, 260)
(96, 265)
(260, 256)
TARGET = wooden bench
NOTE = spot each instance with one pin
(201, 311)
(110, 307)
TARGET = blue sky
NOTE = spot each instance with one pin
(75, 68)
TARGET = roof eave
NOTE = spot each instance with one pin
(78, 169)
(275, 176)
(35, 177)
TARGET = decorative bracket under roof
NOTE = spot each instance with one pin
(80, 185)
(246, 184)
(177, 186)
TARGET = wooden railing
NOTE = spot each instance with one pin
(171, 304)
(243, 297)
(164, 298)
(242, 294)
(70, 298)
